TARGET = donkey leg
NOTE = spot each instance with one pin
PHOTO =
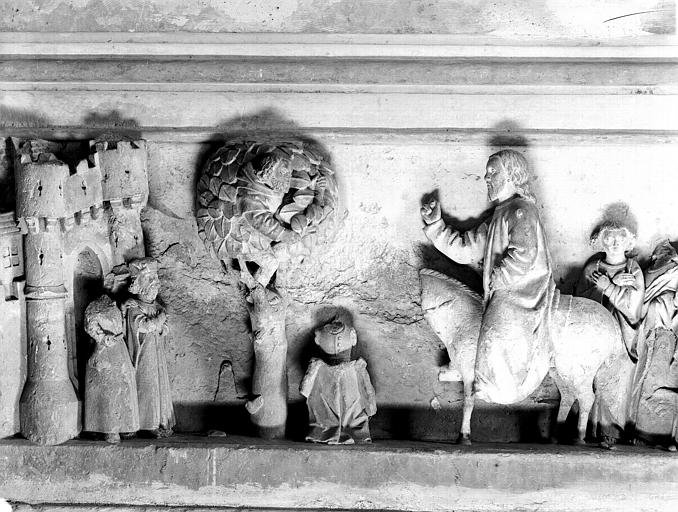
(567, 398)
(586, 398)
(469, 398)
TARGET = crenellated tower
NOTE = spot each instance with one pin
(66, 209)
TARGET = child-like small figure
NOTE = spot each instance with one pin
(110, 385)
(338, 390)
(615, 280)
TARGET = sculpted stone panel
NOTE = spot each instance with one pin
(69, 202)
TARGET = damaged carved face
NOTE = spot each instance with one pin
(663, 254)
(146, 286)
(275, 172)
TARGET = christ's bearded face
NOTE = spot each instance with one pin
(498, 182)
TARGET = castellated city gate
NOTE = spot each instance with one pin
(76, 218)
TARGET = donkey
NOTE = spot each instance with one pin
(583, 335)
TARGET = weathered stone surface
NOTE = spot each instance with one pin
(576, 18)
(381, 287)
(234, 472)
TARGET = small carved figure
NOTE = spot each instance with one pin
(657, 366)
(264, 204)
(146, 340)
(504, 343)
(614, 280)
(110, 386)
(338, 390)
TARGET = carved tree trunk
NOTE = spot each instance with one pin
(268, 407)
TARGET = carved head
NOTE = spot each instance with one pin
(275, 171)
(103, 319)
(613, 238)
(663, 254)
(145, 283)
(507, 174)
(336, 337)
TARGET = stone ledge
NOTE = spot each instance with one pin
(194, 472)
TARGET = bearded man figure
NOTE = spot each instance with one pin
(513, 349)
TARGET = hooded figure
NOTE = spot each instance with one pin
(110, 386)
(513, 352)
(656, 368)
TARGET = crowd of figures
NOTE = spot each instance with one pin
(645, 305)
(622, 368)
(611, 348)
(127, 388)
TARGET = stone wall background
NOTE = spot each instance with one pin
(555, 18)
(370, 270)
(406, 98)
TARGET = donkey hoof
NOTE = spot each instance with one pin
(464, 440)
(579, 442)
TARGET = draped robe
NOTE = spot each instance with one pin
(513, 347)
(613, 381)
(146, 346)
(657, 351)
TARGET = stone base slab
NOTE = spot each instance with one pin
(198, 473)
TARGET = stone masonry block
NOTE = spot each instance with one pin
(124, 169)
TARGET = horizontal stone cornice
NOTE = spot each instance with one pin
(432, 46)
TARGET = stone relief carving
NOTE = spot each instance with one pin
(502, 344)
(147, 330)
(654, 404)
(261, 205)
(614, 279)
(110, 388)
(72, 199)
(338, 390)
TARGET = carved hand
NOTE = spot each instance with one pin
(601, 280)
(430, 211)
(624, 279)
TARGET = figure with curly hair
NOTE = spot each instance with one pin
(513, 354)
(614, 279)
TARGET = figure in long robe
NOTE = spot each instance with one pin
(615, 280)
(513, 352)
(146, 341)
(110, 386)
(657, 345)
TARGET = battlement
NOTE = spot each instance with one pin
(124, 170)
(11, 255)
(51, 195)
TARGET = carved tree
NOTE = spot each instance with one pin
(258, 206)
